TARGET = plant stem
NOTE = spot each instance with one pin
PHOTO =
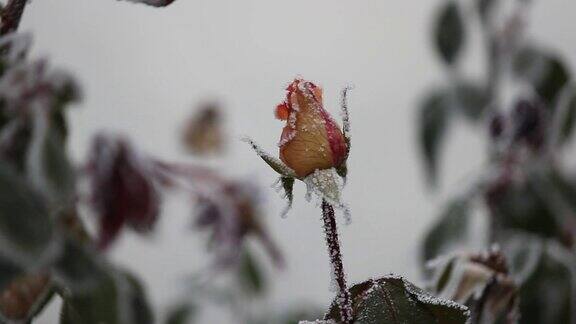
(11, 15)
(343, 299)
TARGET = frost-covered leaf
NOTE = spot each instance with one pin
(25, 228)
(345, 118)
(393, 299)
(450, 230)
(545, 72)
(287, 186)
(154, 3)
(273, 162)
(449, 33)
(432, 126)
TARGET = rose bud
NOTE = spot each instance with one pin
(311, 139)
(123, 188)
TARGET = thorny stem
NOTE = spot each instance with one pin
(11, 15)
(344, 301)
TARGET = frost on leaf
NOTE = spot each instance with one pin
(326, 186)
(392, 299)
(345, 117)
(286, 184)
(273, 162)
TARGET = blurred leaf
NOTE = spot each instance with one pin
(24, 223)
(154, 3)
(25, 297)
(48, 167)
(394, 300)
(546, 296)
(521, 207)
(117, 299)
(138, 301)
(523, 252)
(449, 231)
(78, 268)
(183, 314)
(203, 134)
(569, 119)
(472, 100)
(449, 32)
(250, 274)
(433, 124)
(485, 9)
(94, 306)
(8, 272)
(545, 72)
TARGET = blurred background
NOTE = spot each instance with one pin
(144, 70)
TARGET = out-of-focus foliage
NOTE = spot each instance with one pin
(525, 194)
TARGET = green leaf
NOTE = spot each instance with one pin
(94, 306)
(25, 226)
(392, 299)
(250, 275)
(523, 207)
(545, 72)
(433, 124)
(523, 252)
(48, 166)
(78, 268)
(485, 9)
(449, 32)
(547, 296)
(449, 231)
(471, 100)
(183, 314)
(118, 299)
(569, 119)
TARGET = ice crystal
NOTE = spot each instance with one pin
(325, 184)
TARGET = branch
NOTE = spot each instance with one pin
(11, 15)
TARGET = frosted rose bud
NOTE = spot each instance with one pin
(311, 139)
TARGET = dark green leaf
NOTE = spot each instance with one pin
(485, 9)
(8, 272)
(523, 207)
(78, 268)
(183, 314)
(569, 119)
(471, 100)
(138, 304)
(523, 252)
(394, 300)
(250, 274)
(24, 221)
(48, 166)
(93, 306)
(545, 72)
(449, 32)
(546, 296)
(433, 124)
(449, 231)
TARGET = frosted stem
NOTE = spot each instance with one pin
(343, 299)
(11, 15)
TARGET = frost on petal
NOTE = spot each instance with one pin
(273, 162)
(326, 185)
